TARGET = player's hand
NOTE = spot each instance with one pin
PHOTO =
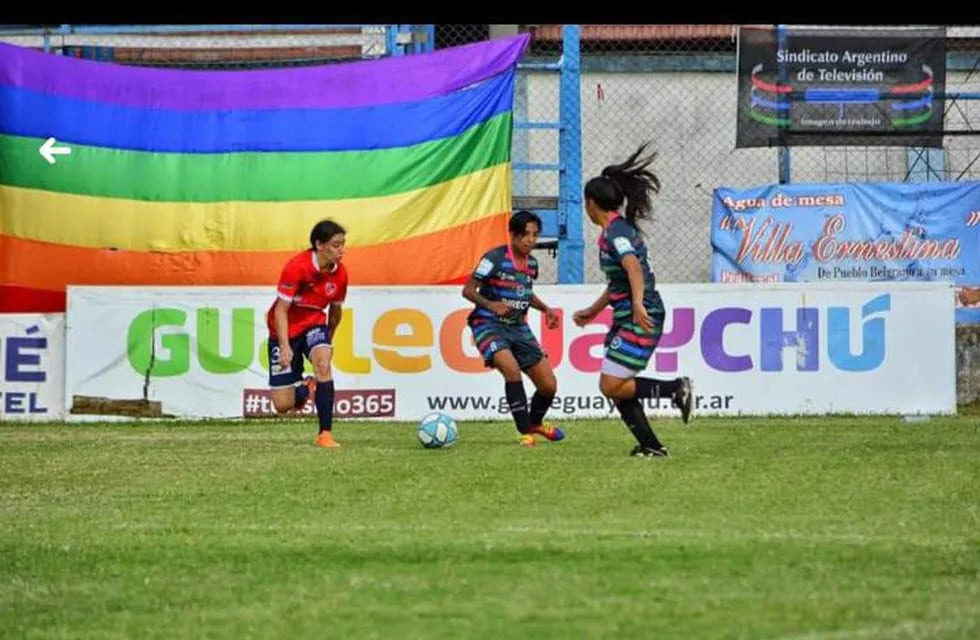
(642, 319)
(551, 318)
(499, 307)
(285, 356)
(583, 316)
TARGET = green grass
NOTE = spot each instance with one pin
(833, 528)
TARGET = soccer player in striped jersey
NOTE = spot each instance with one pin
(501, 288)
(311, 281)
(638, 310)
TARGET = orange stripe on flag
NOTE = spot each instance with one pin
(444, 256)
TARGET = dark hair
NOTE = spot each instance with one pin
(323, 231)
(630, 181)
(518, 221)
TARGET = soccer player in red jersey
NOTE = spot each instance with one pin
(311, 281)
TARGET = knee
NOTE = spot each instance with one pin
(610, 388)
(510, 372)
(549, 387)
(321, 364)
(321, 369)
(605, 388)
(507, 366)
(282, 404)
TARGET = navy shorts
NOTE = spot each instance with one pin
(491, 337)
(289, 373)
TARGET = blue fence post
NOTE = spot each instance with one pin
(570, 256)
(406, 29)
(391, 40)
(785, 166)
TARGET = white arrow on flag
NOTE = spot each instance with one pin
(49, 151)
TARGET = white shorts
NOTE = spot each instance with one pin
(615, 369)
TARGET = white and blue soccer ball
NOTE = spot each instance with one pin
(437, 431)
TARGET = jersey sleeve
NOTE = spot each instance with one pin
(620, 236)
(532, 266)
(289, 282)
(487, 265)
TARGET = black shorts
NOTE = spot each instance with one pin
(491, 337)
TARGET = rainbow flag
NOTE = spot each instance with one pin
(180, 177)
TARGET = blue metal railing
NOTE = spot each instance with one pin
(564, 221)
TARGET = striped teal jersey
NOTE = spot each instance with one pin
(501, 278)
(616, 241)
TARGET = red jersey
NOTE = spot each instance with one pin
(309, 290)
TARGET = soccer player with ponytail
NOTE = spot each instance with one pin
(638, 310)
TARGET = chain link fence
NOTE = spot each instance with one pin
(220, 47)
(674, 85)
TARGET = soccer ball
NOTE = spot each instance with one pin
(437, 431)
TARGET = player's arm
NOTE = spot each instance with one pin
(585, 315)
(634, 271)
(281, 317)
(621, 238)
(335, 312)
(621, 243)
(334, 315)
(550, 315)
(286, 289)
(471, 290)
(536, 303)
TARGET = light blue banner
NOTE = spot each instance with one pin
(850, 231)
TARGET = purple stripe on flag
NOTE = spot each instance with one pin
(352, 84)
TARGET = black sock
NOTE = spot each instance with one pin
(539, 406)
(517, 399)
(324, 404)
(302, 393)
(652, 388)
(636, 420)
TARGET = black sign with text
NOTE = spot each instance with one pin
(841, 87)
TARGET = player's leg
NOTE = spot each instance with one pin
(634, 349)
(320, 351)
(533, 361)
(494, 345)
(626, 355)
(504, 361)
(286, 395)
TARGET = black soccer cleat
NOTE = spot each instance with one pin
(649, 452)
(684, 399)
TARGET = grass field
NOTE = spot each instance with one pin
(782, 528)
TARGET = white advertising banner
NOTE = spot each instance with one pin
(32, 365)
(401, 352)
